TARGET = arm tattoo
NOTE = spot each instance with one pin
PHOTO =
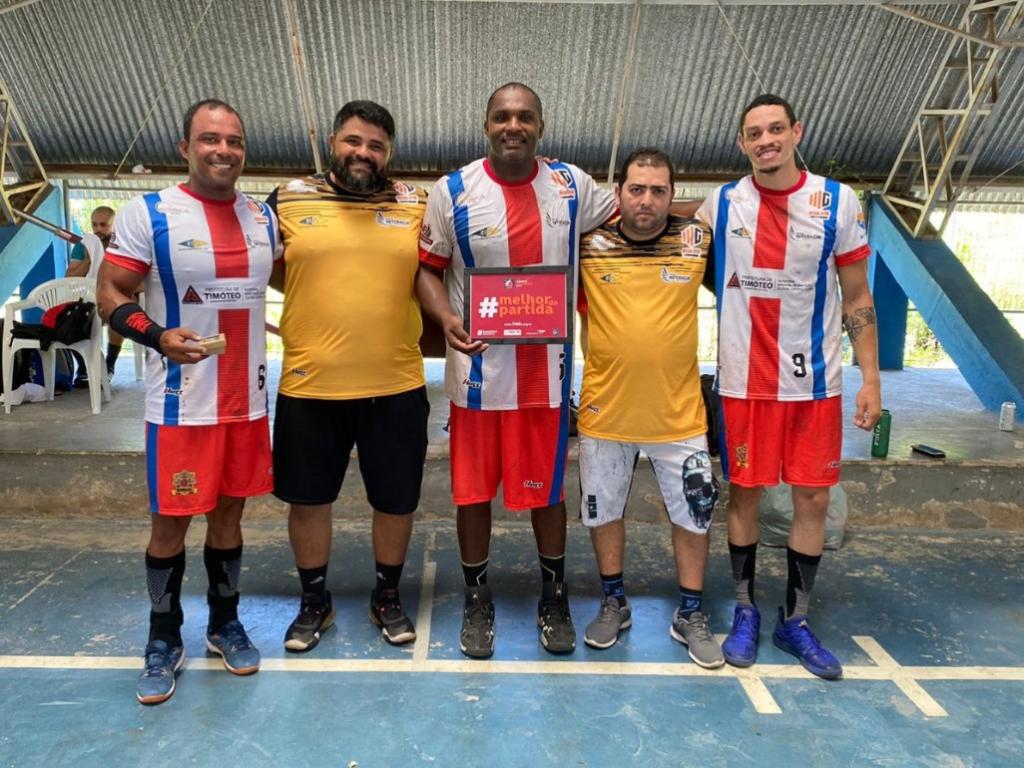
(858, 320)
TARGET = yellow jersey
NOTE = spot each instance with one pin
(351, 323)
(641, 381)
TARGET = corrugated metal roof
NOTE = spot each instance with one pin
(85, 73)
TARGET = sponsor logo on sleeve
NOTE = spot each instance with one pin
(425, 234)
(313, 221)
(195, 245)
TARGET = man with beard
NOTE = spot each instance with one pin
(641, 391)
(352, 371)
(84, 261)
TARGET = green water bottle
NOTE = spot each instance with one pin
(880, 436)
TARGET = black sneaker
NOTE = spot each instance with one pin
(316, 616)
(557, 634)
(476, 639)
(386, 612)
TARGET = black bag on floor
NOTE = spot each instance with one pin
(23, 359)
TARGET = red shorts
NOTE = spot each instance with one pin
(801, 441)
(524, 450)
(189, 467)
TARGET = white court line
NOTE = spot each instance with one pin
(758, 693)
(910, 687)
(751, 679)
(46, 580)
(426, 607)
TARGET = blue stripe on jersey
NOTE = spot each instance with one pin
(558, 478)
(460, 218)
(719, 243)
(821, 290)
(151, 465)
(162, 254)
(270, 227)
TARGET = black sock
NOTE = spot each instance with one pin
(802, 569)
(163, 580)
(475, 574)
(744, 560)
(113, 350)
(614, 586)
(388, 576)
(314, 582)
(552, 568)
(223, 567)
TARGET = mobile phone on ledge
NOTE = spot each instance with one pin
(927, 450)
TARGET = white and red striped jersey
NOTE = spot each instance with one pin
(474, 219)
(206, 264)
(776, 255)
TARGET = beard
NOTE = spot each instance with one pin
(359, 182)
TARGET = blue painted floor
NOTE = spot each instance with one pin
(934, 600)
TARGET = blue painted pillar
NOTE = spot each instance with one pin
(984, 346)
(891, 312)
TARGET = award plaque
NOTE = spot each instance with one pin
(519, 305)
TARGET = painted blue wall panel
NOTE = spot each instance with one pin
(975, 334)
(29, 245)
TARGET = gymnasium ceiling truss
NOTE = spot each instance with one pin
(23, 180)
(961, 108)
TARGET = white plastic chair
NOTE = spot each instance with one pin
(46, 296)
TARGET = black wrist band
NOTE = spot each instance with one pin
(132, 322)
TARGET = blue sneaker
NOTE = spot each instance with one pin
(234, 646)
(795, 637)
(156, 681)
(740, 647)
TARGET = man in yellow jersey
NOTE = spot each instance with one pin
(352, 371)
(641, 391)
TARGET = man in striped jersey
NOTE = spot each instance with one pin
(783, 238)
(509, 404)
(204, 253)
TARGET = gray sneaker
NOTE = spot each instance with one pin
(476, 639)
(695, 634)
(611, 619)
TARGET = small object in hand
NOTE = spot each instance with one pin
(214, 345)
(927, 450)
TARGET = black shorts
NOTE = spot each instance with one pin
(313, 440)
